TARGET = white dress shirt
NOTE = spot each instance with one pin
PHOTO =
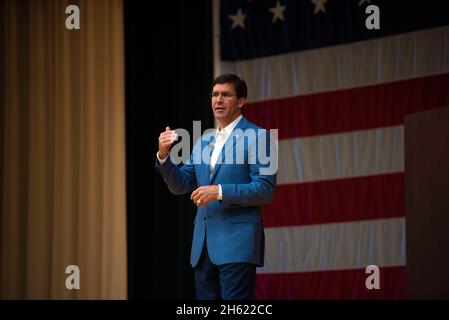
(221, 135)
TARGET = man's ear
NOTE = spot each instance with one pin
(242, 101)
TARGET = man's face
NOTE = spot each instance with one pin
(225, 104)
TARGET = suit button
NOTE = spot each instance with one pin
(204, 218)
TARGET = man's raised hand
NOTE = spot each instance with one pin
(166, 139)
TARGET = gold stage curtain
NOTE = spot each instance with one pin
(62, 150)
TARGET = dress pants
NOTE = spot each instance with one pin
(231, 281)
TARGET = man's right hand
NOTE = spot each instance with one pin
(166, 139)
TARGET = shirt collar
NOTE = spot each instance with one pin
(228, 129)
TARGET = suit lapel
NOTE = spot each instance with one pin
(205, 165)
(228, 146)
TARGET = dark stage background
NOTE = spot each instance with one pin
(168, 54)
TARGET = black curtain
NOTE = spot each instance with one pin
(168, 50)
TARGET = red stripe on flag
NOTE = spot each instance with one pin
(351, 109)
(360, 198)
(339, 284)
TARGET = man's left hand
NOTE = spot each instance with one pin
(204, 195)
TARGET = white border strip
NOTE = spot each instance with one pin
(342, 155)
(336, 246)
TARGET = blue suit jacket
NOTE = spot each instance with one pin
(233, 226)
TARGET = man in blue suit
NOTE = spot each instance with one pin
(230, 180)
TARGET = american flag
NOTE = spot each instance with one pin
(338, 92)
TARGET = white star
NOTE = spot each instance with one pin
(238, 19)
(278, 12)
(363, 1)
(319, 6)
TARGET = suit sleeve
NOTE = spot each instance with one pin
(180, 180)
(262, 187)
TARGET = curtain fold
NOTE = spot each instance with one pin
(63, 151)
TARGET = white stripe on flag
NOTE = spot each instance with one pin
(342, 155)
(408, 55)
(335, 246)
